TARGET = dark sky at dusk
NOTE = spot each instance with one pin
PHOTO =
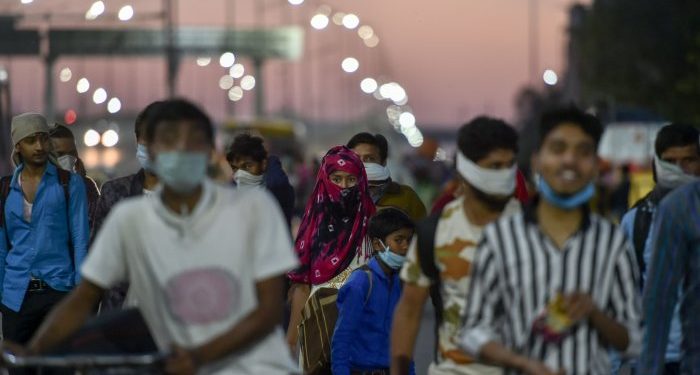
(455, 58)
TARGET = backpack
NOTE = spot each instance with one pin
(425, 232)
(64, 180)
(642, 224)
(317, 326)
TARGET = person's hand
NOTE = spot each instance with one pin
(539, 368)
(15, 349)
(181, 362)
(578, 306)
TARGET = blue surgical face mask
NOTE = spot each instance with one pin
(390, 258)
(566, 203)
(142, 156)
(181, 171)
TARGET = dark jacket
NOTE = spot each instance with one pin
(277, 183)
(112, 193)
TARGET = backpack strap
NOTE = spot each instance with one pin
(365, 268)
(642, 223)
(425, 232)
(4, 192)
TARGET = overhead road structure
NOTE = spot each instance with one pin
(285, 43)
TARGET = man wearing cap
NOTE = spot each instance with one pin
(44, 230)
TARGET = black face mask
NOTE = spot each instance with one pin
(349, 199)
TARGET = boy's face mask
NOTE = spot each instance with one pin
(390, 258)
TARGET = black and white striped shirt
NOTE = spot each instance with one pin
(518, 270)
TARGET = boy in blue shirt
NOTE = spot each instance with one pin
(361, 341)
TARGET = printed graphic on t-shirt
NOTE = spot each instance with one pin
(202, 296)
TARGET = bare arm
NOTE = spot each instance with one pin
(404, 330)
(610, 330)
(497, 354)
(300, 293)
(66, 318)
(580, 306)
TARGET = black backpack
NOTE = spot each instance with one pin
(642, 224)
(425, 232)
(640, 232)
(64, 180)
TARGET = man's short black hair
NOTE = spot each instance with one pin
(387, 221)
(376, 140)
(140, 122)
(570, 115)
(176, 110)
(482, 135)
(246, 145)
(61, 131)
(676, 135)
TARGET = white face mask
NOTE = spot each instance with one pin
(245, 178)
(67, 162)
(377, 172)
(669, 175)
(489, 181)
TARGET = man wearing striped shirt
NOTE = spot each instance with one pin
(676, 259)
(555, 287)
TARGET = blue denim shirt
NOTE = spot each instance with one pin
(40, 247)
(673, 348)
(674, 261)
(362, 336)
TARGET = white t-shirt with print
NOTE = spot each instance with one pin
(194, 277)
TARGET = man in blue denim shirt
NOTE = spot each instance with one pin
(45, 238)
(675, 263)
(677, 161)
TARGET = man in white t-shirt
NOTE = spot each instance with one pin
(205, 263)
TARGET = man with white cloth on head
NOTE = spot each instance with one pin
(486, 167)
(676, 162)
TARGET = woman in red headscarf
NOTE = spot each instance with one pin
(332, 238)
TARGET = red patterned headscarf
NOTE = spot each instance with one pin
(334, 226)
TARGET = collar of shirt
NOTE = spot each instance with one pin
(50, 170)
(375, 265)
(530, 214)
(194, 222)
